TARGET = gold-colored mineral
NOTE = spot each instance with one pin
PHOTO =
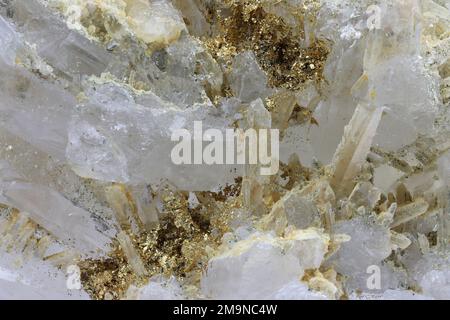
(304, 212)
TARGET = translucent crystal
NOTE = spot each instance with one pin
(297, 290)
(72, 225)
(158, 288)
(114, 138)
(237, 273)
(247, 80)
(369, 245)
(292, 210)
(95, 97)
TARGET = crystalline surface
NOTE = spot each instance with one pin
(296, 290)
(113, 138)
(238, 272)
(369, 245)
(157, 289)
(248, 81)
(135, 136)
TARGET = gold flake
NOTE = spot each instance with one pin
(181, 245)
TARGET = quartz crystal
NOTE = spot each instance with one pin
(353, 95)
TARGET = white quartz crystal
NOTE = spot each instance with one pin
(237, 273)
(92, 94)
(158, 288)
(369, 245)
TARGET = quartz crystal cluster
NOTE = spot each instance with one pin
(92, 207)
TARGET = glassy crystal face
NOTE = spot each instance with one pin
(133, 139)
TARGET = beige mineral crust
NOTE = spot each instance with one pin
(155, 22)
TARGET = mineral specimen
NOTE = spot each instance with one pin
(353, 93)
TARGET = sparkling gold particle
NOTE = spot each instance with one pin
(186, 238)
(180, 246)
(279, 47)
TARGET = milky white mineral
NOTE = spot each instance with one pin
(237, 273)
(93, 205)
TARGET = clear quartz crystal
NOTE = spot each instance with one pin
(112, 137)
(248, 81)
(237, 273)
(91, 93)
